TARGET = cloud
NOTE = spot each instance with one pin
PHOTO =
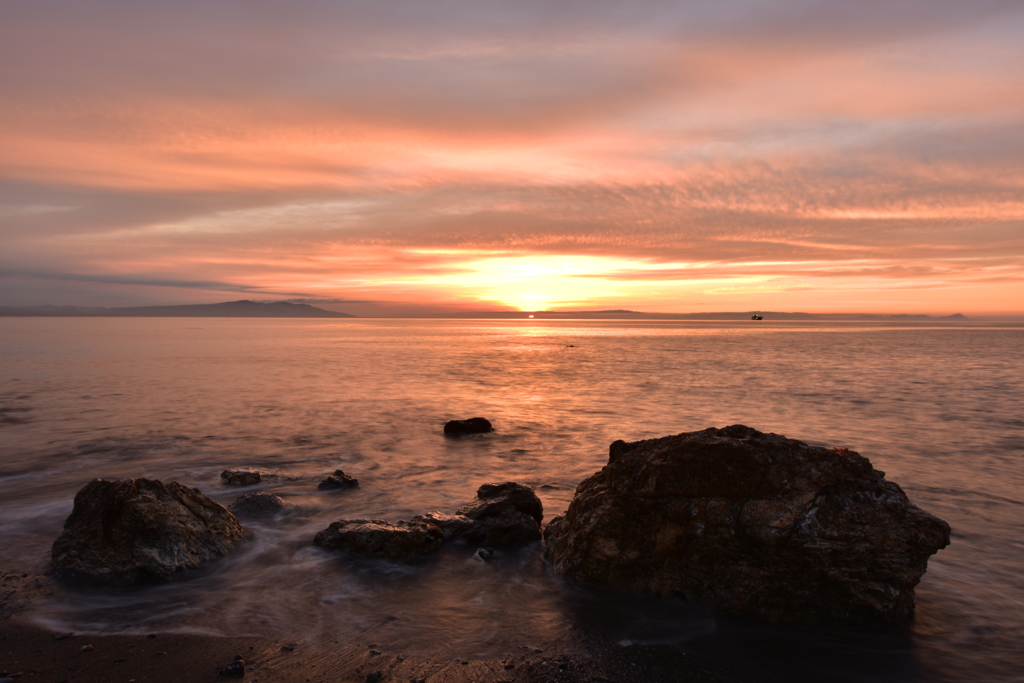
(139, 280)
(356, 150)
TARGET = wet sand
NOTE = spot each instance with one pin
(31, 653)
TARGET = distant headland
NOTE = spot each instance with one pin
(228, 309)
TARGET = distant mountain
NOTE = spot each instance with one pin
(228, 309)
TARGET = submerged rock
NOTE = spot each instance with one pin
(474, 425)
(751, 523)
(245, 476)
(260, 505)
(501, 514)
(339, 480)
(381, 539)
(138, 530)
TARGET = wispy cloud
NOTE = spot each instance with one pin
(140, 280)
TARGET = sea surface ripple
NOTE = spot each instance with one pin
(938, 407)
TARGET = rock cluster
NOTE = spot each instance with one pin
(751, 523)
(474, 425)
(139, 530)
(501, 514)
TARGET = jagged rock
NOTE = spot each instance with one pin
(245, 476)
(502, 514)
(751, 523)
(260, 505)
(377, 538)
(474, 425)
(339, 480)
(137, 530)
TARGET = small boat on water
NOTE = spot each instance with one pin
(756, 317)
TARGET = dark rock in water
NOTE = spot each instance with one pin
(751, 523)
(474, 425)
(502, 514)
(491, 496)
(377, 538)
(260, 505)
(137, 530)
(339, 480)
(246, 476)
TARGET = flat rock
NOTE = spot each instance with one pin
(381, 539)
(474, 425)
(140, 530)
(751, 523)
(260, 505)
(508, 513)
(338, 481)
(245, 476)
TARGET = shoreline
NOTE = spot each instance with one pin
(30, 652)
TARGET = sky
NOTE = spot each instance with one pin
(413, 158)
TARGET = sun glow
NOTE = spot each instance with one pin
(531, 282)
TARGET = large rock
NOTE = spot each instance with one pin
(501, 514)
(751, 523)
(474, 425)
(377, 538)
(139, 530)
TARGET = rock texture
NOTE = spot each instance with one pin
(377, 538)
(260, 505)
(139, 530)
(751, 523)
(501, 514)
(474, 425)
(338, 481)
(246, 476)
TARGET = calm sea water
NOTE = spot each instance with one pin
(939, 408)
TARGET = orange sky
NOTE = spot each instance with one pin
(676, 157)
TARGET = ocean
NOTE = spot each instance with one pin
(938, 407)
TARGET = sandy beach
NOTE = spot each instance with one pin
(29, 652)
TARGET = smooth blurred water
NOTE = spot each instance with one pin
(939, 408)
